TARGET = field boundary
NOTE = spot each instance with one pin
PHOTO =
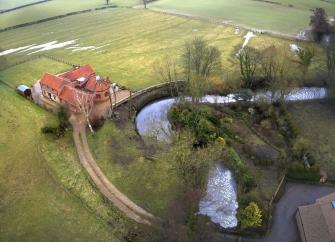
(227, 23)
(50, 57)
(23, 6)
(56, 17)
(7, 84)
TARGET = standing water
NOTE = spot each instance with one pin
(153, 120)
(220, 202)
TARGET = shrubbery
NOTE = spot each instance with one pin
(241, 170)
(58, 131)
(298, 171)
(200, 120)
(250, 216)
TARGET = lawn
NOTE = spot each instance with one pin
(270, 15)
(128, 42)
(33, 205)
(321, 138)
(50, 9)
(150, 183)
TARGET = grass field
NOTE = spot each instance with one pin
(33, 206)
(151, 184)
(130, 40)
(321, 138)
(7, 4)
(50, 9)
(274, 15)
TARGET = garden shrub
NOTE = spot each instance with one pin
(266, 124)
(300, 147)
(202, 121)
(221, 141)
(299, 172)
(250, 216)
(241, 170)
(60, 130)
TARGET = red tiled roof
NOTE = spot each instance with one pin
(53, 82)
(97, 86)
(68, 95)
(83, 71)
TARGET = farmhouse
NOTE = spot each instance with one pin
(316, 222)
(62, 88)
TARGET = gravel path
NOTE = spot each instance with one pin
(122, 202)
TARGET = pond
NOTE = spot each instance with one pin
(220, 201)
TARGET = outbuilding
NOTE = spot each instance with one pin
(24, 90)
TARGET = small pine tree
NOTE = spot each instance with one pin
(251, 216)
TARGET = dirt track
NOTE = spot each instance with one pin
(122, 202)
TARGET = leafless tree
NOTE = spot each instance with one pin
(275, 68)
(200, 62)
(319, 23)
(249, 59)
(166, 71)
(85, 102)
(107, 2)
(305, 58)
(145, 3)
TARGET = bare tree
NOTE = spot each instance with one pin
(319, 24)
(107, 2)
(248, 59)
(305, 57)
(85, 102)
(200, 62)
(275, 69)
(145, 3)
(166, 71)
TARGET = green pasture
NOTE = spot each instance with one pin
(131, 42)
(51, 9)
(34, 205)
(29, 72)
(7, 4)
(287, 16)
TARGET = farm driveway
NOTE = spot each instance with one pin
(121, 201)
(284, 226)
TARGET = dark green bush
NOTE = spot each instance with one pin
(57, 132)
(299, 172)
(49, 130)
(202, 121)
(241, 170)
(60, 130)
